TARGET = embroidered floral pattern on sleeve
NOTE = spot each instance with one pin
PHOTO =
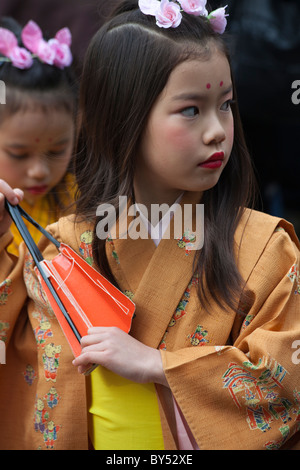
(52, 397)
(179, 312)
(294, 276)
(163, 344)
(45, 426)
(187, 241)
(85, 247)
(5, 291)
(199, 336)
(113, 251)
(51, 361)
(41, 416)
(49, 353)
(30, 374)
(247, 321)
(50, 434)
(4, 327)
(181, 308)
(42, 332)
(259, 393)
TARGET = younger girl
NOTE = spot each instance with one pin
(211, 361)
(37, 120)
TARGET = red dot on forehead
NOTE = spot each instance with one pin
(50, 140)
(37, 140)
(221, 83)
(208, 86)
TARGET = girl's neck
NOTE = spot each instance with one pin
(148, 198)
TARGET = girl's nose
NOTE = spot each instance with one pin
(38, 169)
(215, 132)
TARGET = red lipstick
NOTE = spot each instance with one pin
(215, 161)
(37, 190)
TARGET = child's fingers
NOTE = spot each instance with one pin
(96, 335)
(86, 358)
(19, 194)
(86, 362)
(14, 196)
(7, 191)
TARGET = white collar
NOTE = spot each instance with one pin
(158, 231)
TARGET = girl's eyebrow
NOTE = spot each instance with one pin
(16, 146)
(199, 96)
(61, 142)
(22, 146)
(226, 91)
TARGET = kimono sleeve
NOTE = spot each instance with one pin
(246, 395)
(13, 290)
(13, 293)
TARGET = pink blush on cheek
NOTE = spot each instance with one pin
(177, 136)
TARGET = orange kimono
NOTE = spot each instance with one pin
(235, 375)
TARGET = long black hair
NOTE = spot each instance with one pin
(127, 66)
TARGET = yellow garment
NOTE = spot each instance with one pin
(113, 402)
(39, 212)
(42, 212)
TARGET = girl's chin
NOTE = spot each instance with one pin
(32, 199)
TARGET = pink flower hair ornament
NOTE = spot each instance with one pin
(55, 52)
(168, 13)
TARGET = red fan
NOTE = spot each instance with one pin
(79, 295)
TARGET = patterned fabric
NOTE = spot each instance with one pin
(232, 373)
(41, 412)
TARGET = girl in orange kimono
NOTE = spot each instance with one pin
(212, 358)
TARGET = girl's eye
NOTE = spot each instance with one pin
(17, 156)
(227, 105)
(56, 154)
(191, 111)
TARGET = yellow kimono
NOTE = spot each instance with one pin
(234, 375)
(43, 212)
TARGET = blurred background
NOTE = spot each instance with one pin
(264, 39)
